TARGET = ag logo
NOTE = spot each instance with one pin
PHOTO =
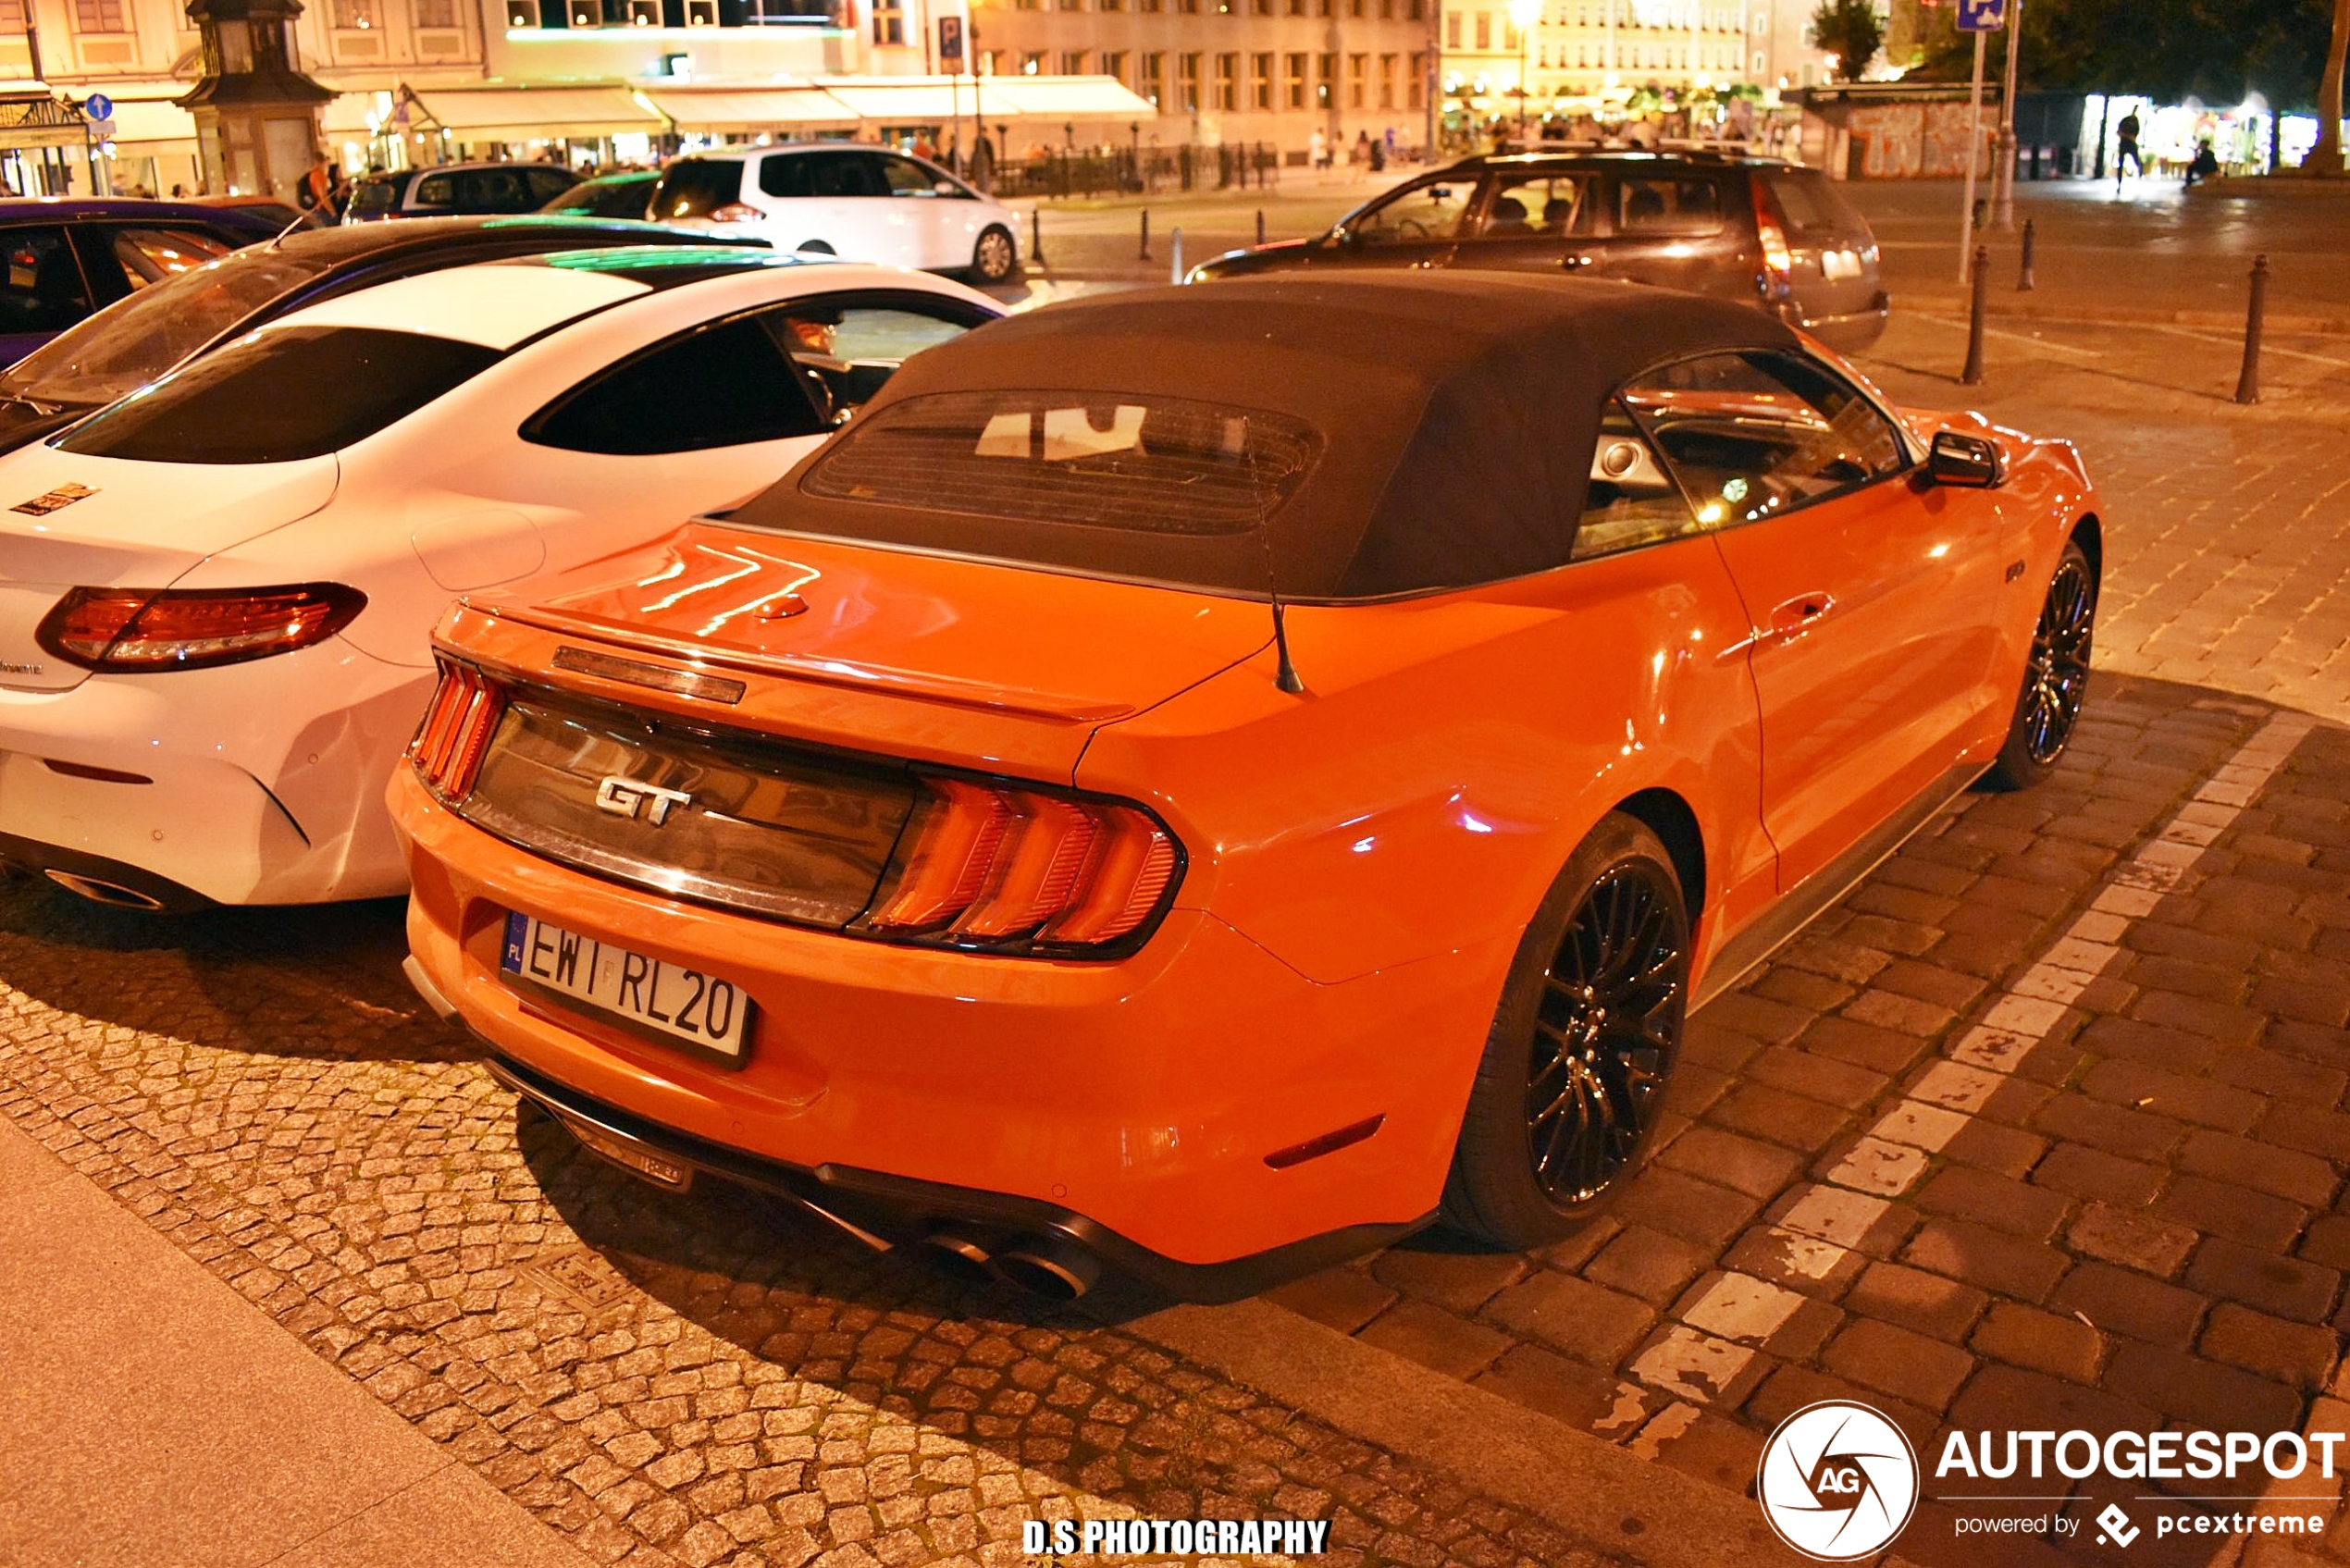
(1837, 1481)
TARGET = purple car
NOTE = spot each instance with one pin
(70, 255)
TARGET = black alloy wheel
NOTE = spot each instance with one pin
(1609, 1022)
(1572, 1077)
(2056, 676)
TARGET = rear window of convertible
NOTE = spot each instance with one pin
(281, 394)
(1131, 463)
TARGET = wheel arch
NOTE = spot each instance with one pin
(2088, 532)
(1664, 813)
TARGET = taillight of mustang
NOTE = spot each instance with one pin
(150, 629)
(868, 847)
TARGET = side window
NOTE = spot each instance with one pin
(434, 191)
(1751, 435)
(494, 190)
(1529, 206)
(787, 175)
(43, 291)
(1422, 212)
(546, 184)
(1632, 501)
(842, 174)
(905, 178)
(1664, 204)
(373, 198)
(845, 353)
(149, 255)
(725, 385)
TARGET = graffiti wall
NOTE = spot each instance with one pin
(1913, 141)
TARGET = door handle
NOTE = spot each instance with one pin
(1796, 616)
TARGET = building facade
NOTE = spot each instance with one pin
(1230, 72)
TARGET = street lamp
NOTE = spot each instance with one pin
(1524, 14)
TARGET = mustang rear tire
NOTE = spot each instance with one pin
(1575, 1067)
(2056, 676)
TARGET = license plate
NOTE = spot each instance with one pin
(673, 1001)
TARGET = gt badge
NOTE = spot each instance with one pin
(623, 797)
(51, 501)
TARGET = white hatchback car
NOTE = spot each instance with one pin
(215, 624)
(866, 203)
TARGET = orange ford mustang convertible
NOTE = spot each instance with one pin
(1195, 783)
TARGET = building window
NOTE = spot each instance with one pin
(102, 16)
(1072, 62)
(1413, 88)
(1296, 7)
(1484, 30)
(1228, 86)
(1326, 95)
(1187, 84)
(1386, 81)
(889, 22)
(1451, 30)
(1114, 62)
(1189, 7)
(1260, 82)
(1387, 10)
(429, 13)
(1297, 82)
(1358, 80)
(1153, 86)
(991, 61)
(355, 15)
(1031, 63)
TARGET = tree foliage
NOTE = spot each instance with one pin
(1850, 30)
(2218, 51)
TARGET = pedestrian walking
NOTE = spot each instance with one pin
(1318, 148)
(317, 186)
(2126, 146)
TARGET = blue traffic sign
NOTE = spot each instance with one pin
(98, 106)
(1982, 16)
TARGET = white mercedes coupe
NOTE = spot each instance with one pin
(217, 595)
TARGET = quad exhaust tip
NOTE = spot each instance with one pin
(1049, 1266)
(99, 892)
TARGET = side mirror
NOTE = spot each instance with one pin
(1971, 462)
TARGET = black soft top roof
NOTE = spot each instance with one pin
(1457, 414)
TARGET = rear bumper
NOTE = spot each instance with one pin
(1130, 1108)
(264, 778)
(1846, 334)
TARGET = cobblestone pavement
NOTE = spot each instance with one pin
(667, 1380)
(2045, 1124)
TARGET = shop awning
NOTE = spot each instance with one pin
(1066, 97)
(915, 100)
(715, 111)
(154, 125)
(516, 114)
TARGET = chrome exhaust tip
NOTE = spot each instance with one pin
(109, 893)
(1049, 1266)
(957, 1254)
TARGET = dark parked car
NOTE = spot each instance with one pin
(458, 188)
(67, 256)
(1752, 229)
(608, 195)
(123, 347)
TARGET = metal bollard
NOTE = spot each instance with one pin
(1972, 375)
(2024, 284)
(2248, 383)
(1260, 225)
(1175, 255)
(1036, 235)
(1146, 234)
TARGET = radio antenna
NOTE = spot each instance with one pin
(1285, 676)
